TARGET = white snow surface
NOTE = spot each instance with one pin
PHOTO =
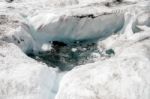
(33, 24)
(88, 22)
(22, 77)
(68, 28)
(124, 76)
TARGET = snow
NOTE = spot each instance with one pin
(30, 26)
(124, 76)
(22, 77)
(69, 28)
(77, 23)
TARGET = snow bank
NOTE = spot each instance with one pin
(62, 3)
(63, 24)
(81, 23)
(144, 19)
(80, 27)
(35, 23)
(124, 76)
(10, 31)
(21, 39)
(22, 77)
(69, 27)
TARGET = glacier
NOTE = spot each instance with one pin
(108, 40)
(124, 76)
(69, 28)
(22, 77)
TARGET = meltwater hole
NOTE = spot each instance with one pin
(65, 57)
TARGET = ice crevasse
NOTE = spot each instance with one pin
(123, 76)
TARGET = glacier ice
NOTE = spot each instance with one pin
(22, 77)
(124, 76)
(120, 32)
(69, 28)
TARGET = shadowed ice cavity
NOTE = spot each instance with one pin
(76, 38)
(65, 57)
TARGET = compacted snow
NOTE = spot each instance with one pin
(124, 76)
(74, 49)
(22, 77)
